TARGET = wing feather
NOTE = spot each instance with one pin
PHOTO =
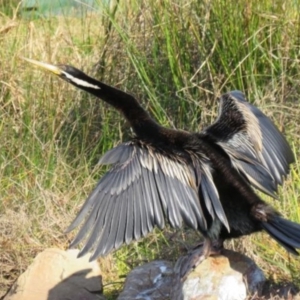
(118, 154)
(211, 197)
(121, 230)
(143, 207)
(150, 221)
(129, 224)
(255, 172)
(165, 194)
(136, 213)
(115, 226)
(158, 213)
(97, 231)
(242, 130)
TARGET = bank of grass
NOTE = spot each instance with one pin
(176, 56)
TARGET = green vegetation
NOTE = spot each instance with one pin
(176, 57)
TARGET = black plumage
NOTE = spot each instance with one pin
(202, 180)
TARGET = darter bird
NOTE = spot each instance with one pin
(203, 180)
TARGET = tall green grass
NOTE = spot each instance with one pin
(176, 57)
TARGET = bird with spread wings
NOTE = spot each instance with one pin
(202, 180)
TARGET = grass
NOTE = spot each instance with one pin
(176, 57)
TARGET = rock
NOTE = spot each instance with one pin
(57, 274)
(151, 281)
(230, 276)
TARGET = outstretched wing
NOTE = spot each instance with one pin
(254, 144)
(142, 188)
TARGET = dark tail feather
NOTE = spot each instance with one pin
(285, 232)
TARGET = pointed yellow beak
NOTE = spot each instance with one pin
(53, 69)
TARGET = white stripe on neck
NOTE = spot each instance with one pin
(81, 82)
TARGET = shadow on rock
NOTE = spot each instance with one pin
(58, 274)
(77, 287)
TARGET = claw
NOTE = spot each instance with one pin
(186, 264)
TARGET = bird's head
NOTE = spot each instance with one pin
(68, 73)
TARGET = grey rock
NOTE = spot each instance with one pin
(230, 276)
(152, 281)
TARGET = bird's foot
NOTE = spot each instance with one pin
(186, 264)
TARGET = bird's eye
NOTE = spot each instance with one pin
(65, 77)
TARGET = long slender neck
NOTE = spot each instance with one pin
(141, 122)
